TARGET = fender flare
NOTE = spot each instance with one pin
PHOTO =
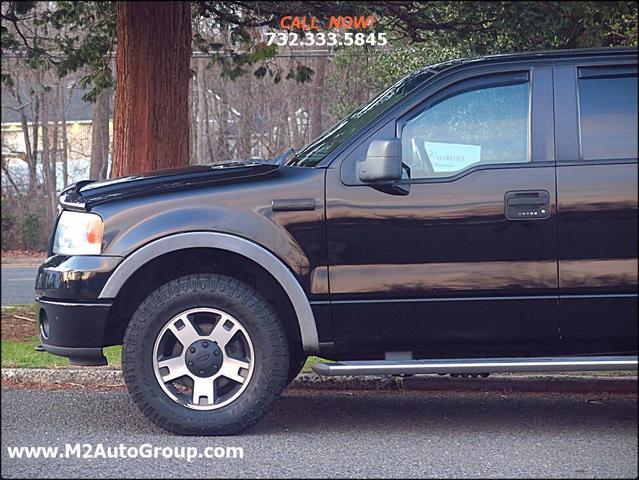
(231, 243)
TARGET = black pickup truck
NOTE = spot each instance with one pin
(478, 216)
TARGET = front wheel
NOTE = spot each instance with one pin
(205, 355)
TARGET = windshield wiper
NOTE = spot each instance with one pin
(284, 158)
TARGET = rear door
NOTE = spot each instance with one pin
(596, 130)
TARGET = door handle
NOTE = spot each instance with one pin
(527, 205)
(527, 201)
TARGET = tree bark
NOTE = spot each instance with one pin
(33, 166)
(31, 154)
(64, 157)
(192, 122)
(151, 121)
(55, 115)
(100, 136)
(49, 172)
(291, 119)
(201, 112)
(207, 132)
(245, 122)
(7, 174)
(223, 150)
(316, 100)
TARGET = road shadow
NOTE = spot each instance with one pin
(420, 412)
(405, 413)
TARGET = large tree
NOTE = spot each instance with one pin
(152, 74)
(154, 42)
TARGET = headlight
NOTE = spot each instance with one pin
(78, 234)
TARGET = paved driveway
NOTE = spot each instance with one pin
(313, 434)
(18, 283)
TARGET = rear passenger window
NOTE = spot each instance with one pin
(608, 112)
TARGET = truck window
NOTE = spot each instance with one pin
(485, 125)
(608, 113)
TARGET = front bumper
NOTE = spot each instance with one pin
(74, 330)
(73, 320)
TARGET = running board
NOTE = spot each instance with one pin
(477, 365)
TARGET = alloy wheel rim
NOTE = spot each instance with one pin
(203, 358)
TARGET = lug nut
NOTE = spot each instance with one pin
(192, 349)
(205, 344)
(190, 364)
(201, 372)
(216, 353)
(214, 367)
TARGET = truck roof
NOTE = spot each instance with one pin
(534, 55)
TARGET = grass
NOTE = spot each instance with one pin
(20, 352)
(22, 355)
(311, 361)
(20, 339)
(16, 354)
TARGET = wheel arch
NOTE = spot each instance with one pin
(233, 245)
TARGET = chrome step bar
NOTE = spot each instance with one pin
(477, 365)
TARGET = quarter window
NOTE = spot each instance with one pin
(483, 125)
(608, 113)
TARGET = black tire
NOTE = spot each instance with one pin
(257, 317)
(296, 363)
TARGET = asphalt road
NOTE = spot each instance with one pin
(370, 434)
(18, 283)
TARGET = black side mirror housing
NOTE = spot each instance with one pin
(383, 162)
(383, 167)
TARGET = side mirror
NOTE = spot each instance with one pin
(383, 162)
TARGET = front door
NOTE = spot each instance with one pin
(466, 262)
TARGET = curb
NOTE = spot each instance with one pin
(26, 264)
(77, 376)
(426, 383)
(22, 262)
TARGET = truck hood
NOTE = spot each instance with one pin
(87, 193)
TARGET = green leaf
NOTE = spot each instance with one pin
(303, 74)
(260, 72)
(22, 7)
(7, 80)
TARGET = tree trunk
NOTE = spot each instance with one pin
(31, 154)
(223, 150)
(245, 122)
(49, 175)
(100, 136)
(201, 112)
(207, 131)
(192, 122)
(291, 119)
(55, 143)
(151, 124)
(7, 175)
(64, 157)
(316, 100)
(33, 166)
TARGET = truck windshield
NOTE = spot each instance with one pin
(313, 153)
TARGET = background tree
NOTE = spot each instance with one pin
(100, 147)
(154, 41)
(243, 98)
(151, 124)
